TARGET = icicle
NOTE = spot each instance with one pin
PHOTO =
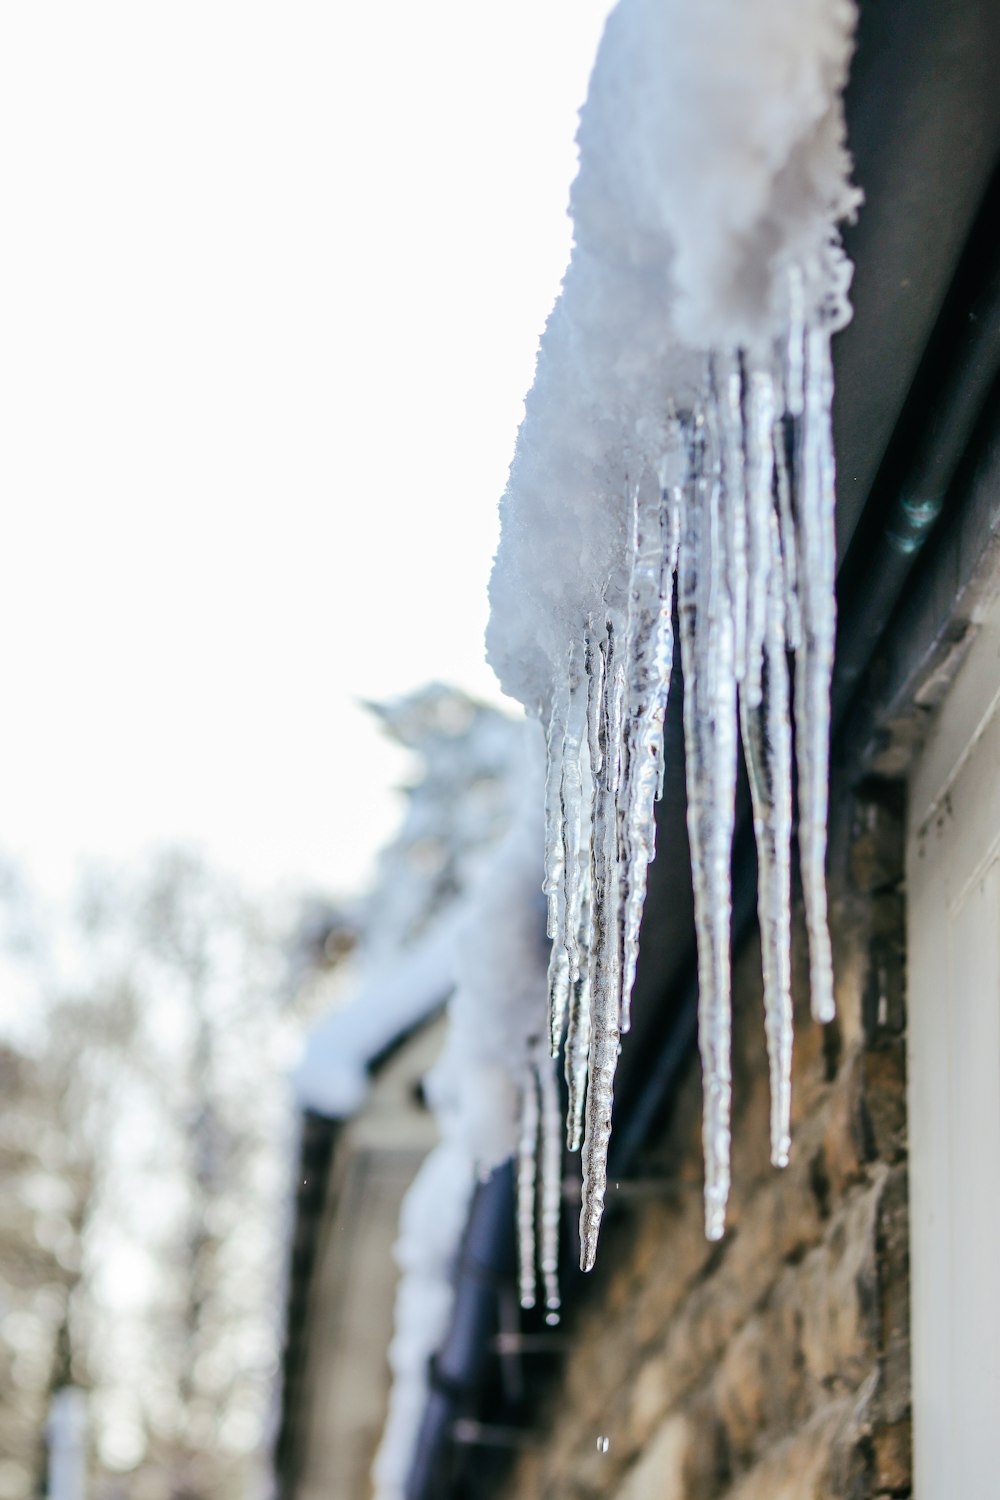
(554, 853)
(710, 763)
(789, 540)
(572, 813)
(577, 1061)
(551, 1189)
(728, 404)
(527, 1156)
(767, 743)
(605, 979)
(673, 481)
(578, 1026)
(814, 659)
(559, 984)
(759, 402)
(649, 651)
(563, 830)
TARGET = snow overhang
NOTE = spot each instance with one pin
(332, 1078)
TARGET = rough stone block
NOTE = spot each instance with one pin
(876, 858)
(663, 1471)
(884, 1095)
(893, 1449)
(760, 1387)
(775, 1364)
(801, 1468)
(650, 1398)
(837, 1296)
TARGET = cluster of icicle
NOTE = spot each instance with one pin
(735, 532)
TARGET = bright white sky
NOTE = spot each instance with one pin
(271, 281)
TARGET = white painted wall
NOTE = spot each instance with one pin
(953, 876)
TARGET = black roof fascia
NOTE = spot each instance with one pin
(923, 127)
(928, 447)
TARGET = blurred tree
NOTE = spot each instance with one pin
(145, 1159)
(144, 1163)
(38, 1265)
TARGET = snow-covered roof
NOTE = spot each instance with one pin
(494, 1057)
(457, 808)
(333, 1076)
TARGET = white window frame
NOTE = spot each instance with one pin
(953, 1047)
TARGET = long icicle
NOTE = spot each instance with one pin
(767, 744)
(577, 1061)
(578, 1026)
(605, 981)
(783, 425)
(710, 749)
(564, 961)
(550, 1195)
(649, 656)
(527, 1172)
(728, 410)
(572, 816)
(814, 659)
(555, 739)
(559, 985)
(554, 883)
(759, 429)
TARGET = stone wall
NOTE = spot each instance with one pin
(774, 1365)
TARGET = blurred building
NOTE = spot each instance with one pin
(353, 1175)
(365, 1126)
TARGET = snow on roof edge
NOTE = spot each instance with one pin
(333, 1076)
(713, 158)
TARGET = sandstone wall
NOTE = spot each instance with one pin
(775, 1365)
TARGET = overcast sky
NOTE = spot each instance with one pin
(271, 283)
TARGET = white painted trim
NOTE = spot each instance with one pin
(971, 704)
(953, 878)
